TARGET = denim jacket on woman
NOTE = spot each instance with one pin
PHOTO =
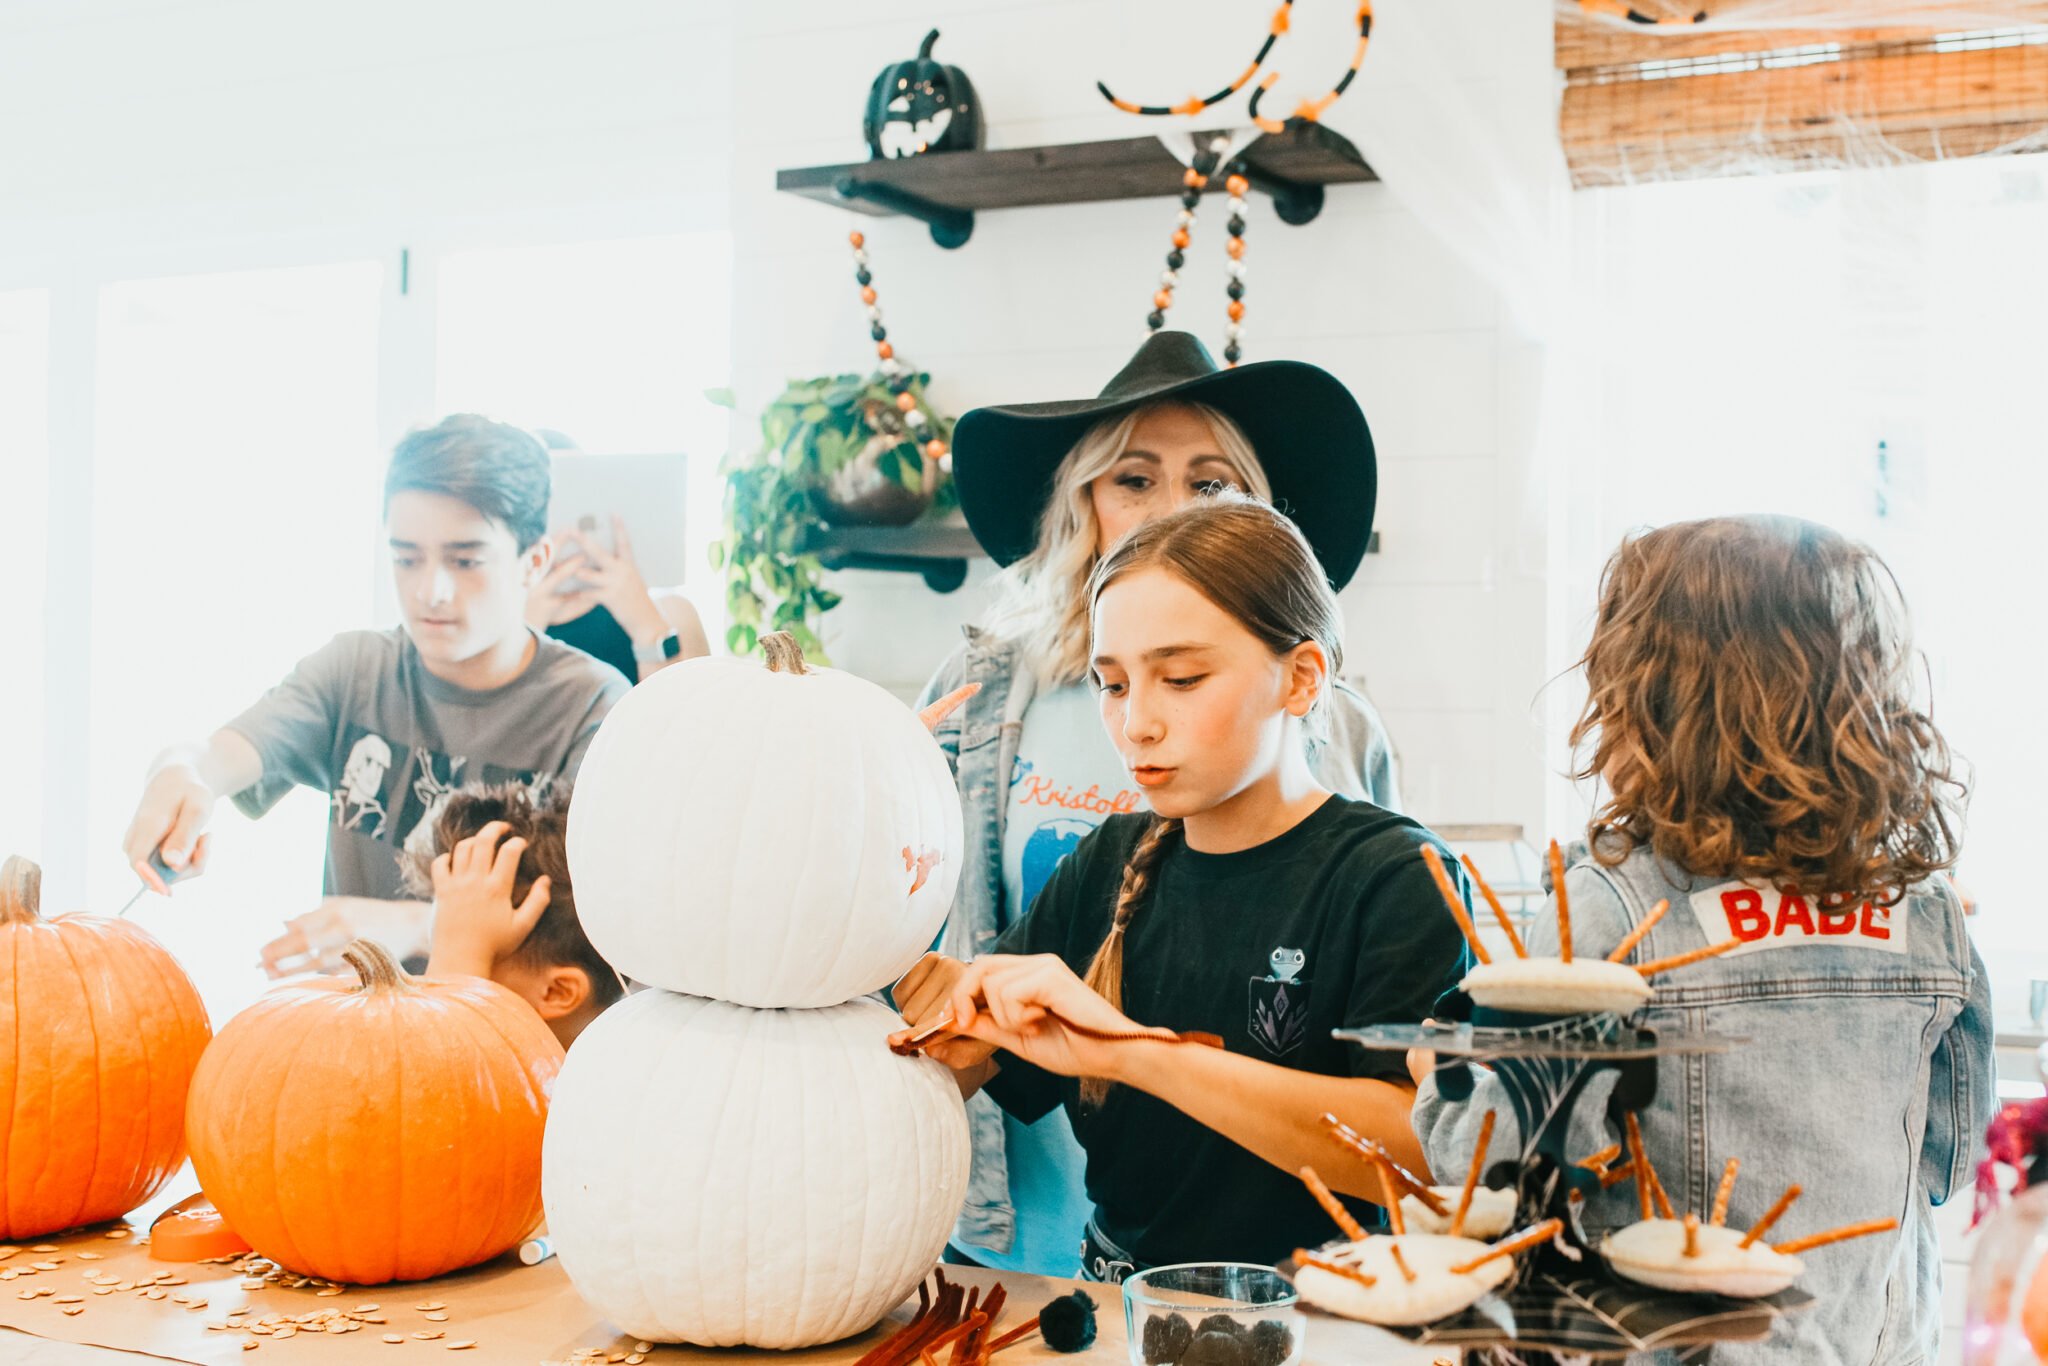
(980, 739)
(1867, 1079)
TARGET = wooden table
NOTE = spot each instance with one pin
(512, 1313)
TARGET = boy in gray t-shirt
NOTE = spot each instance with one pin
(388, 722)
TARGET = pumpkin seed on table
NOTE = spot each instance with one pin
(462, 1346)
(72, 1308)
(44, 1247)
(424, 1336)
(89, 1257)
(435, 1315)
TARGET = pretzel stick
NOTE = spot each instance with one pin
(1352, 1273)
(1727, 1188)
(1692, 1234)
(1521, 1242)
(1836, 1235)
(1598, 1161)
(1679, 960)
(1013, 1337)
(911, 1046)
(1393, 1197)
(1635, 1160)
(1350, 1227)
(1407, 1272)
(1472, 1176)
(1614, 1176)
(1454, 901)
(1647, 1184)
(1771, 1216)
(1564, 904)
(1635, 936)
(1373, 1152)
(1500, 912)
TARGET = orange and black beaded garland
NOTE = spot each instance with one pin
(1194, 180)
(896, 372)
(1233, 345)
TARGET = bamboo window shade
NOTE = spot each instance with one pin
(1677, 100)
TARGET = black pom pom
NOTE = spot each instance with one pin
(863, 276)
(1220, 1323)
(1232, 354)
(1272, 1342)
(1175, 260)
(1235, 227)
(879, 332)
(1166, 1340)
(1235, 289)
(1068, 1323)
(1190, 199)
(1216, 1349)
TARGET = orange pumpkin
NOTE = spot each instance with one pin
(99, 1032)
(385, 1129)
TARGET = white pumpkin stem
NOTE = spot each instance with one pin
(785, 656)
(375, 968)
(21, 891)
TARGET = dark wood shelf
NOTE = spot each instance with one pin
(946, 189)
(937, 550)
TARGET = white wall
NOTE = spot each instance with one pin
(1446, 627)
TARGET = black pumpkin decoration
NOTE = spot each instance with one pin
(920, 106)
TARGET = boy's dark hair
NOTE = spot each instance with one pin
(557, 939)
(500, 470)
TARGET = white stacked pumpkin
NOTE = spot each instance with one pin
(736, 1158)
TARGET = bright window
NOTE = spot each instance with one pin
(234, 531)
(24, 491)
(612, 343)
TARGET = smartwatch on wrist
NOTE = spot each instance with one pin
(658, 651)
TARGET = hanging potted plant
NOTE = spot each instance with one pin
(841, 450)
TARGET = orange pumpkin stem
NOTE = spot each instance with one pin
(375, 968)
(784, 655)
(21, 891)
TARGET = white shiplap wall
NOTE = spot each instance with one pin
(1446, 627)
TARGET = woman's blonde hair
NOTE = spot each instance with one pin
(1750, 706)
(1042, 600)
(1252, 562)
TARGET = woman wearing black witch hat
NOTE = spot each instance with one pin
(1048, 488)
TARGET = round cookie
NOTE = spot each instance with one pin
(1435, 1293)
(1551, 986)
(1492, 1212)
(1653, 1252)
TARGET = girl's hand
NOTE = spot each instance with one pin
(1018, 1004)
(921, 996)
(475, 922)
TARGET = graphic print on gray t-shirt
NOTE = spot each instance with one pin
(362, 720)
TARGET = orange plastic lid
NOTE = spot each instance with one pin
(191, 1231)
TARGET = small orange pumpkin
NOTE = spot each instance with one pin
(385, 1129)
(99, 1032)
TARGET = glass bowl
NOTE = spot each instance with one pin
(1212, 1314)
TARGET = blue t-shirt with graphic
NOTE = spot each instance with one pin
(1067, 780)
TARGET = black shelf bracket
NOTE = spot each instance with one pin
(941, 576)
(1294, 202)
(950, 227)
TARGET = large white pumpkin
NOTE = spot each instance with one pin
(764, 837)
(720, 1175)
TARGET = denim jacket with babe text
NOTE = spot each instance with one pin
(980, 739)
(1866, 1078)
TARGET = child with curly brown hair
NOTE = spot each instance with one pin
(1770, 774)
(503, 907)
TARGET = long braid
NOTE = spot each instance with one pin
(1106, 972)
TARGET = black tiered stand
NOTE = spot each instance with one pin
(1564, 1303)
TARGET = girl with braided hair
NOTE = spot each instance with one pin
(1251, 906)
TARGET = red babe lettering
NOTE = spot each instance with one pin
(1747, 919)
(1873, 930)
(1837, 915)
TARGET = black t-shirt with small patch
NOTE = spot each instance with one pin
(1336, 923)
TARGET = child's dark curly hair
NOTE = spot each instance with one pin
(1751, 711)
(557, 939)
